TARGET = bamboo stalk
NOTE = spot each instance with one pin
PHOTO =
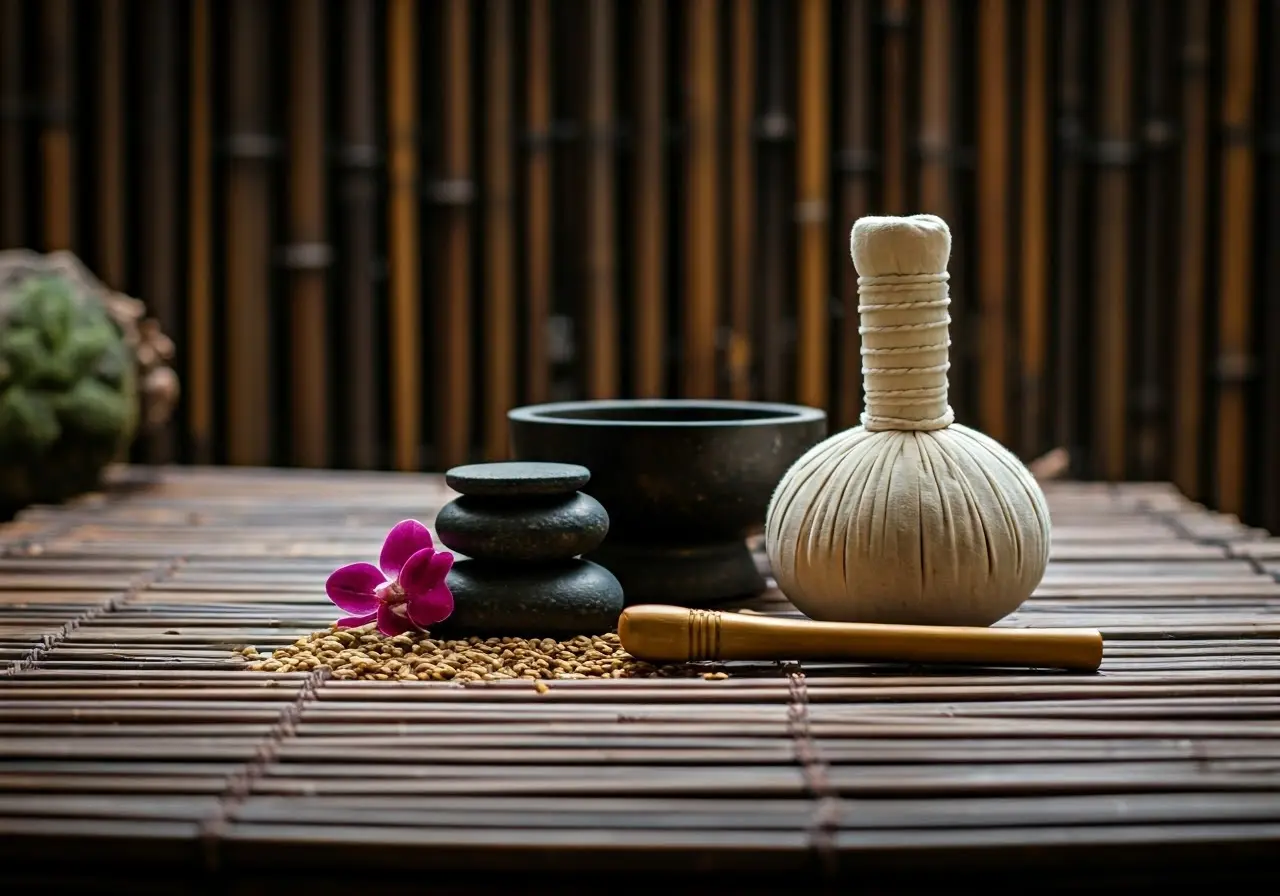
(939, 96)
(742, 207)
(1070, 185)
(1151, 448)
(56, 142)
(1234, 355)
(775, 128)
(600, 342)
(1269, 394)
(964, 309)
(198, 384)
(812, 186)
(858, 156)
(538, 223)
(110, 145)
(358, 220)
(702, 239)
(894, 167)
(404, 238)
(993, 220)
(499, 246)
(308, 255)
(453, 349)
(1235, 280)
(13, 150)
(249, 226)
(936, 148)
(1111, 293)
(160, 231)
(1034, 224)
(649, 320)
(1189, 345)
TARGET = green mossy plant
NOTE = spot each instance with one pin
(68, 391)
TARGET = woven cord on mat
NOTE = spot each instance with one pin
(826, 803)
(240, 785)
(49, 642)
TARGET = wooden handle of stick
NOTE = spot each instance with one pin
(662, 634)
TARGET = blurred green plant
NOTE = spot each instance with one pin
(68, 391)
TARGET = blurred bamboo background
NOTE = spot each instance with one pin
(372, 226)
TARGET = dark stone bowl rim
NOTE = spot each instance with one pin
(780, 413)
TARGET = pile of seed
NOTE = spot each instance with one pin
(363, 654)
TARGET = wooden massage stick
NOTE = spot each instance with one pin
(663, 634)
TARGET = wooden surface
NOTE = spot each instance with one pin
(132, 739)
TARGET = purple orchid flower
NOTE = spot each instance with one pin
(408, 593)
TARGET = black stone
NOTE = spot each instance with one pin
(574, 597)
(522, 530)
(517, 478)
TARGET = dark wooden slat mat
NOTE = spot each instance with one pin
(132, 737)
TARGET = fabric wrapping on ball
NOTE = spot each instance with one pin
(909, 518)
(902, 292)
(944, 527)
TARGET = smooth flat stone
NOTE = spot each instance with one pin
(513, 478)
(574, 597)
(523, 530)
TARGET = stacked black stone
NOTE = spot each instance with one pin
(521, 528)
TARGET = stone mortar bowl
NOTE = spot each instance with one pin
(685, 483)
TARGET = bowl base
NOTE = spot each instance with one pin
(682, 575)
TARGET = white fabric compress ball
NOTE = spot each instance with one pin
(909, 518)
(944, 527)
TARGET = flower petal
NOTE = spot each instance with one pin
(356, 621)
(391, 623)
(425, 570)
(432, 606)
(403, 541)
(352, 587)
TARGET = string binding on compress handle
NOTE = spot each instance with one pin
(914, 305)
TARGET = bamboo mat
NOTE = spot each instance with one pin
(132, 738)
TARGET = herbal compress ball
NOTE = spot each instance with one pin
(909, 518)
(68, 392)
